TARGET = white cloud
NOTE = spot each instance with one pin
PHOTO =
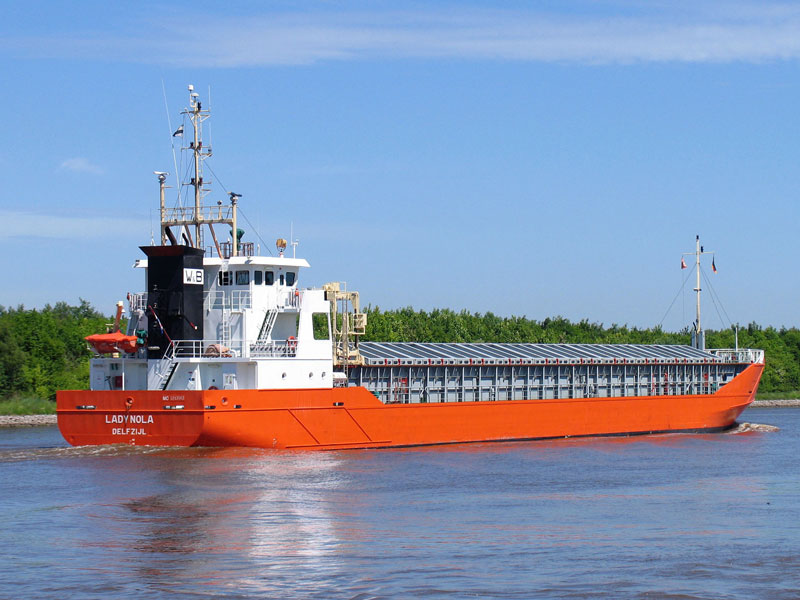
(15, 224)
(80, 165)
(683, 32)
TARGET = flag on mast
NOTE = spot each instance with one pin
(713, 266)
(683, 264)
(178, 132)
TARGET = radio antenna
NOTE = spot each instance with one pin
(171, 137)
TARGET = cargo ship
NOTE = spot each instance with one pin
(225, 348)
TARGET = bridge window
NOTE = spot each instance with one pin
(258, 277)
(269, 277)
(242, 277)
(224, 278)
(321, 327)
(290, 277)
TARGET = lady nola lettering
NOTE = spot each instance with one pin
(131, 419)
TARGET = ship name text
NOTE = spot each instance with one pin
(131, 419)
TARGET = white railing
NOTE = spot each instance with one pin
(208, 348)
(741, 356)
(264, 349)
(241, 299)
(185, 214)
(236, 300)
(289, 299)
(223, 349)
(215, 300)
(137, 301)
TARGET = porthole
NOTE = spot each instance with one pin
(310, 374)
(283, 375)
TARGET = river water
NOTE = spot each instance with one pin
(671, 516)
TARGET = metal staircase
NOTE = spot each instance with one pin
(262, 342)
(162, 374)
(168, 375)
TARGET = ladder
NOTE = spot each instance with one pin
(225, 332)
(267, 324)
(168, 375)
(262, 343)
(163, 372)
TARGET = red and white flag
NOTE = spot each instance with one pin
(683, 264)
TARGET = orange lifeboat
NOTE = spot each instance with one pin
(105, 343)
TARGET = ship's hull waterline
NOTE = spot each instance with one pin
(349, 418)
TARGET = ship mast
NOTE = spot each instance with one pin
(698, 335)
(197, 115)
(200, 215)
(698, 250)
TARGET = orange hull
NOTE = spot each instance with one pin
(353, 418)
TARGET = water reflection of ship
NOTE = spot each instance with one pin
(229, 509)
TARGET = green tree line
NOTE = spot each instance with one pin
(43, 350)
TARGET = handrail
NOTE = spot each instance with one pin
(740, 356)
(186, 214)
(262, 349)
(137, 301)
(241, 299)
(233, 300)
(289, 298)
(222, 349)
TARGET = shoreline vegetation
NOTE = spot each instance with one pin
(43, 350)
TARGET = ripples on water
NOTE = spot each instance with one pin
(677, 516)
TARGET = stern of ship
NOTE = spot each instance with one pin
(135, 417)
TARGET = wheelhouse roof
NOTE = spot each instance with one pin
(233, 261)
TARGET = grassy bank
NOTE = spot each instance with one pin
(27, 406)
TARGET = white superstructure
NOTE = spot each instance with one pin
(259, 332)
(257, 328)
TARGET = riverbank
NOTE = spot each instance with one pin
(27, 420)
(775, 403)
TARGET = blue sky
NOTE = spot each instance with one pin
(538, 159)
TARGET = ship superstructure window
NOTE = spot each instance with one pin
(258, 277)
(225, 278)
(282, 279)
(321, 323)
(269, 277)
(290, 277)
(242, 277)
